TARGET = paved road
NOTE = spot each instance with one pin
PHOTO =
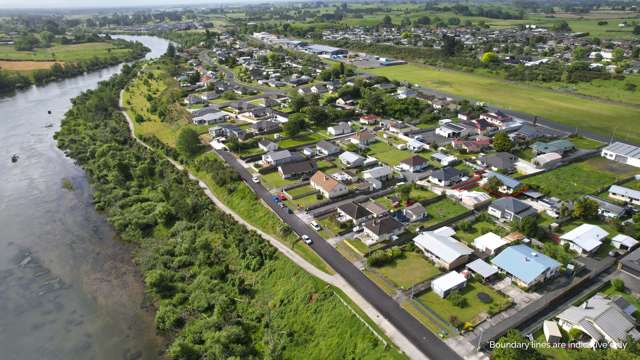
(424, 340)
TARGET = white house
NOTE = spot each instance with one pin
(585, 239)
(443, 249)
(380, 173)
(624, 194)
(624, 242)
(339, 129)
(490, 243)
(448, 283)
(622, 153)
(351, 159)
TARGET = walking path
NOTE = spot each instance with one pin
(336, 280)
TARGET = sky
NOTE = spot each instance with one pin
(31, 4)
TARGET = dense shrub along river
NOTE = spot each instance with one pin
(68, 286)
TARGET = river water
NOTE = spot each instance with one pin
(68, 286)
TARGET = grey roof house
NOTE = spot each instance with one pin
(509, 209)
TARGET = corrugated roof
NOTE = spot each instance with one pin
(524, 263)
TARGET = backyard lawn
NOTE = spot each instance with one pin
(301, 190)
(576, 111)
(578, 179)
(585, 143)
(410, 270)
(479, 228)
(387, 153)
(330, 226)
(474, 308)
(301, 139)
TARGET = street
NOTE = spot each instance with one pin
(423, 339)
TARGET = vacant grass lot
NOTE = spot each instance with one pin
(474, 308)
(387, 153)
(74, 52)
(409, 270)
(577, 179)
(274, 180)
(584, 113)
(480, 228)
(440, 211)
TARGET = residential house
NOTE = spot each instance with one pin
(339, 129)
(624, 242)
(471, 199)
(265, 127)
(444, 159)
(319, 89)
(510, 209)
(627, 195)
(346, 102)
(363, 138)
(267, 146)
(622, 153)
(277, 158)
(442, 248)
(351, 159)
(416, 145)
(630, 264)
(413, 164)
(380, 173)
(210, 118)
(602, 320)
(228, 130)
(448, 283)
(608, 210)
(446, 176)
(489, 243)
(452, 130)
(500, 161)
(279, 116)
(471, 146)
(526, 266)
(551, 332)
(508, 185)
(561, 146)
(297, 169)
(326, 148)
(547, 161)
(585, 239)
(329, 187)
(375, 208)
(369, 119)
(380, 229)
(354, 212)
(415, 212)
(193, 100)
(498, 118)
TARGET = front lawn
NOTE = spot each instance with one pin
(274, 180)
(330, 226)
(409, 270)
(470, 313)
(578, 179)
(305, 189)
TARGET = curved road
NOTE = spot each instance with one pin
(423, 339)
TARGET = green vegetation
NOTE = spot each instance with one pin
(580, 178)
(474, 309)
(387, 153)
(440, 211)
(410, 269)
(468, 231)
(576, 111)
(221, 290)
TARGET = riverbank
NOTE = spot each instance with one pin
(64, 64)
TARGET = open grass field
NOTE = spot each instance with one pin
(613, 90)
(578, 179)
(576, 111)
(440, 211)
(409, 270)
(26, 66)
(73, 52)
(470, 313)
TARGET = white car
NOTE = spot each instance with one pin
(255, 179)
(316, 226)
(357, 229)
(307, 239)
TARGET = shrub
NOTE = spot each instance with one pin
(457, 300)
(617, 284)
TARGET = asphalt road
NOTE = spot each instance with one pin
(423, 339)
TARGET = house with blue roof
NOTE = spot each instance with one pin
(508, 184)
(525, 266)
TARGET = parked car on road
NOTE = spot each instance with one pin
(315, 226)
(307, 239)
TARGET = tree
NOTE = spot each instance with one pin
(617, 54)
(423, 20)
(636, 30)
(562, 26)
(502, 143)
(585, 209)
(188, 143)
(386, 21)
(580, 53)
(406, 22)
(373, 102)
(317, 115)
(489, 57)
(295, 125)
(455, 21)
(528, 226)
(404, 192)
(457, 300)
(171, 51)
(617, 284)
(505, 352)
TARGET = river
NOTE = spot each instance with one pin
(68, 287)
